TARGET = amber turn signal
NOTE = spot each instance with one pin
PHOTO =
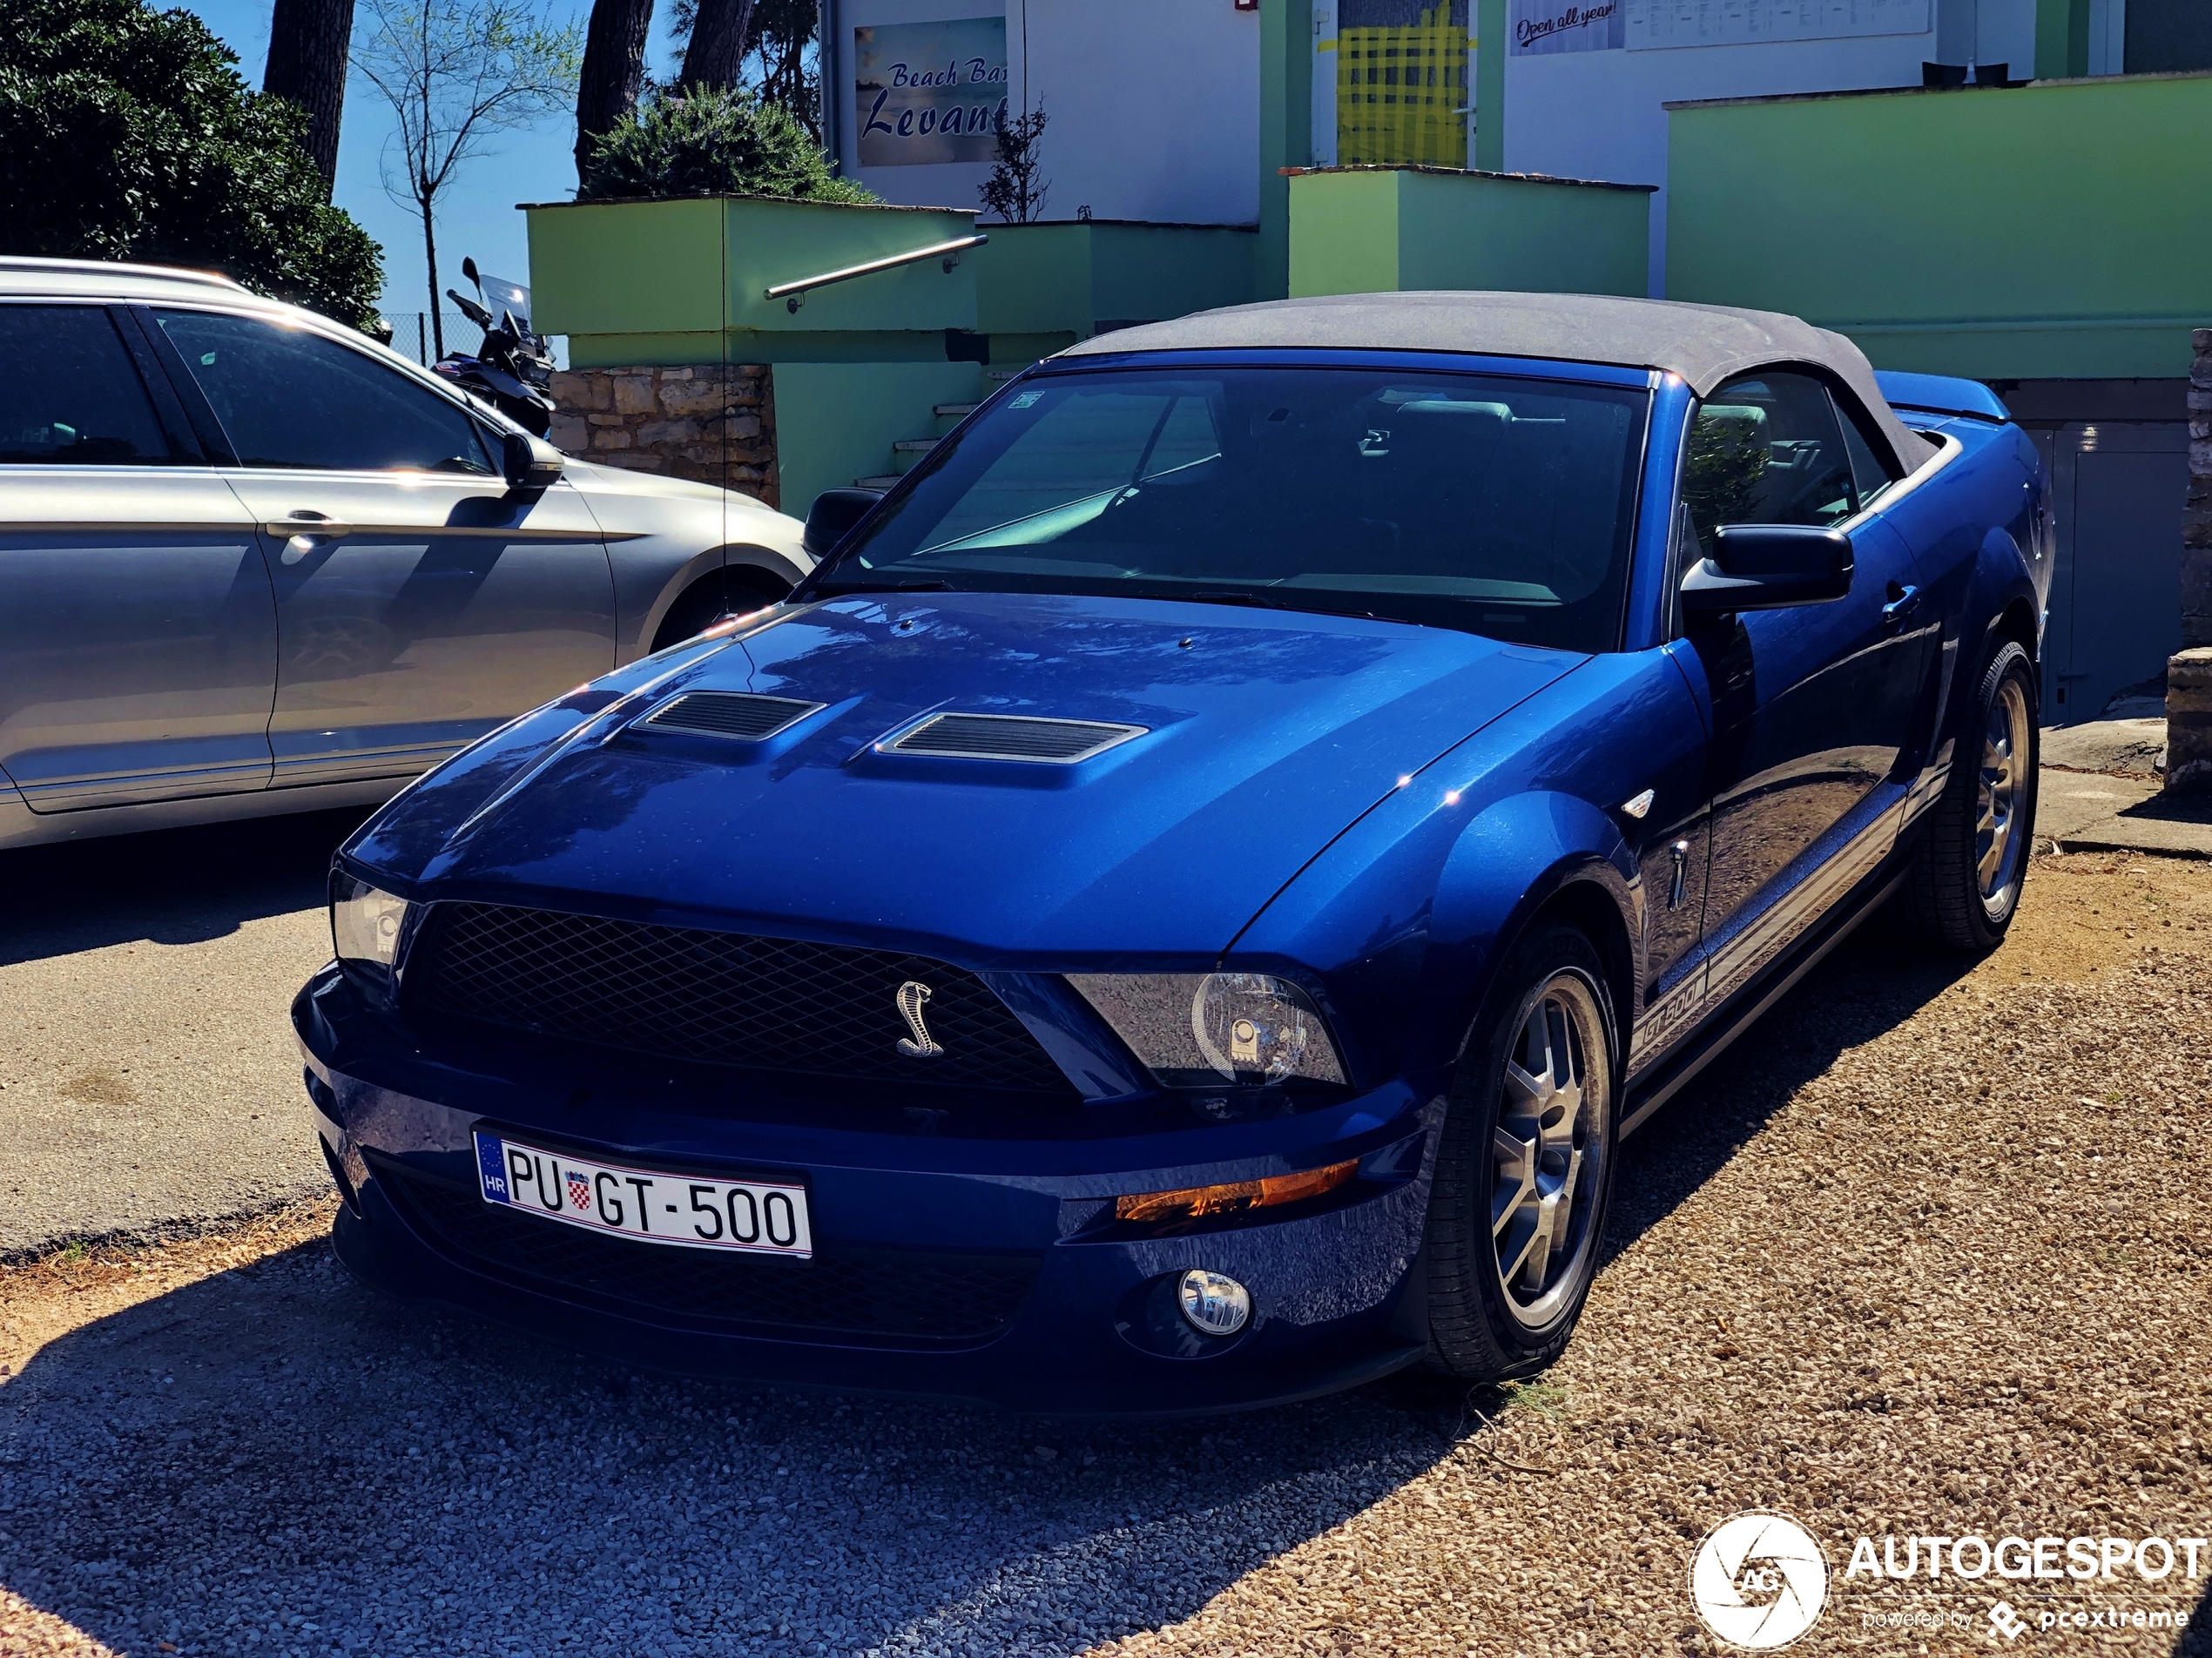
(1194, 1202)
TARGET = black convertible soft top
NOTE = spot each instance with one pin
(1704, 344)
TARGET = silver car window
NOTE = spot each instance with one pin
(290, 398)
(69, 395)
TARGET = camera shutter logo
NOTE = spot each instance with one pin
(912, 999)
(1758, 1581)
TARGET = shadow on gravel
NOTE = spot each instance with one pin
(274, 1460)
(1871, 984)
(173, 886)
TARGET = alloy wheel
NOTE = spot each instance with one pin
(1549, 1146)
(2004, 785)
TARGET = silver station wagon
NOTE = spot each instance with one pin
(251, 562)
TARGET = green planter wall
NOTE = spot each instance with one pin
(640, 282)
(1372, 230)
(1042, 287)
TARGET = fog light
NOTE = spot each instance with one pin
(1215, 1304)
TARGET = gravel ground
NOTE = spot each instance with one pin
(1928, 1253)
(148, 1082)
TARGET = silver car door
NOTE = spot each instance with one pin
(420, 601)
(137, 638)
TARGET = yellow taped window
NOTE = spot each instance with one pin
(1402, 82)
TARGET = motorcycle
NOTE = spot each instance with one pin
(512, 368)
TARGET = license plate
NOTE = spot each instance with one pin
(762, 1217)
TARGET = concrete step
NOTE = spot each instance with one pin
(1003, 375)
(882, 481)
(914, 446)
(955, 411)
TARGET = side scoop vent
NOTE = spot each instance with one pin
(1012, 737)
(739, 714)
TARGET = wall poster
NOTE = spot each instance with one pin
(929, 91)
(1402, 86)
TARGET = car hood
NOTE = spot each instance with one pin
(1266, 735)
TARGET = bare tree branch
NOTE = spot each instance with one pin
(457, 73)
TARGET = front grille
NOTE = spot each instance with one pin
(1013, 737)
(742, 715)
(720, 998)
(909, 1296)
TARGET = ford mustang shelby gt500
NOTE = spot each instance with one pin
(1179, 909)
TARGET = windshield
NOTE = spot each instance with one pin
(1497, 505)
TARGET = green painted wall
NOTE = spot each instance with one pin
(2061, 39)
(2042, 232)
(836, 422)
(1285, 132)
(630, 269)
(1377, 230)
(1067, 279)
(1490, 86)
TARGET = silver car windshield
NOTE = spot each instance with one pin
(1499, 505)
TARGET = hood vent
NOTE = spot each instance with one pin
(739, 715)
(1012, 737)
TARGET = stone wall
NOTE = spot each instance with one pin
(2188, 677)
(715, 422)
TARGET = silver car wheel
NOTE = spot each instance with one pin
(2004, 788)
(1548, 1147)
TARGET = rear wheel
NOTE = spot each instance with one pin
(1965, 886)
(1526, 1168)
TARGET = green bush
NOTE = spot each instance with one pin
(126, 133)
(712, 143)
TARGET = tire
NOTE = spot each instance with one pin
(1965, 883)
(1495, 1314)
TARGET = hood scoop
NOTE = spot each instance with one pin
(744, 717)
(1012, 737)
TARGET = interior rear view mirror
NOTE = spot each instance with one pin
(1768, 566)
(833, 513)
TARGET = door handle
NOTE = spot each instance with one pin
(306, 523)
(1904, 600)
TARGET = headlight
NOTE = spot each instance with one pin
(1204, 1029)
(365, 921)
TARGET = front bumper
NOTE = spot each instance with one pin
(983, 1270)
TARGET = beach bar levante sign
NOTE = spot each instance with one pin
(930, 91)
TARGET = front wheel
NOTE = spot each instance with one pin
(1517, 1209)
(1965, 886)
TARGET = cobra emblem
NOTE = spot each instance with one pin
(913, 997)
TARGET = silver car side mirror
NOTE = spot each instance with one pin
(531, 463)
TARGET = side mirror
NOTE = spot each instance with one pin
(468, 270)
(1768, 566)
(530, 462)
(834, 514)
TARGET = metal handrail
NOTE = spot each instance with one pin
(794, 293)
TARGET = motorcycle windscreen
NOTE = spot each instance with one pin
(502, 295)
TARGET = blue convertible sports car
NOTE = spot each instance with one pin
(1180, 908)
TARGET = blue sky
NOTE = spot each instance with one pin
(477, 215)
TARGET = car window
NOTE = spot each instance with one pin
(290, 398)
(69, 395)
(1867, 469)
(1767, 448)
(1497, 504)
